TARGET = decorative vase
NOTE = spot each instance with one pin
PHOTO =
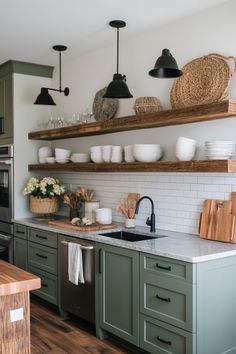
(130, 223)
(89, 209)
(44, 205)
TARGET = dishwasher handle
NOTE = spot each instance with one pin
(86, 248)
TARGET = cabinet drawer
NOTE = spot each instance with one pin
(43, 237)
(20, 231)
(42, 257)
(167, 267)
(49, 285)
(172, 303)
(159, 337)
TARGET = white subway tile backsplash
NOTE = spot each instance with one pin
(178, 198)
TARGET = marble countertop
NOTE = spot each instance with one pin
(176, 245)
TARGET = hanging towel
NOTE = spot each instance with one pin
(75, 263)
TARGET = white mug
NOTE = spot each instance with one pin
(128, 150)
(116, 154)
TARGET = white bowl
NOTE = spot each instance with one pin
(45, 151)
(62, 160)
(50, 159)
(80, 157)
(62, 153)
(96, 149)
(97, 158)
(147, 152)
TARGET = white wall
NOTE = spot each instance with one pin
(178, 197)
(27, 116)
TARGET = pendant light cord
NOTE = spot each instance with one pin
(117, 51)
(60, 71)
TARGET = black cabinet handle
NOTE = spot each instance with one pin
(168, 342)
(166, 299)
(44, 285)
(1, 125)
(165, 268)
(42, 237)
(20, 232)
(100, 261)
(41, 255)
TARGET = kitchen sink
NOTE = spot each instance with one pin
(129, 236)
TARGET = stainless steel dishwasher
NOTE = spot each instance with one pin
(78, 299)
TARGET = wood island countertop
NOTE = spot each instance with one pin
(14, 280)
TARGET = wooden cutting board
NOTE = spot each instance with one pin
(66, 224)
(217, 221)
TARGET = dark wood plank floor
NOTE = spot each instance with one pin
(51, 334)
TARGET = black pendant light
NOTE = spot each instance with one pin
(44, 97)
(165, 66)
(117, 87)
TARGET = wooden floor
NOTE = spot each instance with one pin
(51, 334)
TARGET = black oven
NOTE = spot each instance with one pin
(6, 202)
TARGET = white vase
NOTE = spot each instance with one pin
(89, 210)
(130, 223)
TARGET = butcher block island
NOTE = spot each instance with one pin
(15, 285)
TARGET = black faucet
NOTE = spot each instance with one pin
(150, 221)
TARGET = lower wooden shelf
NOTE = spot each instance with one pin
(159, 166)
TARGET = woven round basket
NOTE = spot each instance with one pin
(44, 205)
(144, 105)
(204, 80)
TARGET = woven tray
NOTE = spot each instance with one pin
(144, 105)
(204, 80)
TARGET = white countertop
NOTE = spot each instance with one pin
(181, 246)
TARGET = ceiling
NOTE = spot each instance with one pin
(29, 28)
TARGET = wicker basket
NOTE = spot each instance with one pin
(44, 205)
(205, 80)
(144, 105)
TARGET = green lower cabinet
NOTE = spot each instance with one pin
(158, 337)
(49, 286)
(117, 281)
(20, 253)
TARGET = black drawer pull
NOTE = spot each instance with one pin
(165, 268)
(41, 255)
(44, 285)
(42, 237)
(166, 299)
(20, 232)
(168, 342)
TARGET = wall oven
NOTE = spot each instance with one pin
(6, 202)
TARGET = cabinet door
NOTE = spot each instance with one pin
(20, 253)
(6, 108)
(118, 291)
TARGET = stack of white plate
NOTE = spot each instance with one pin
(219, 150)
(79, 157)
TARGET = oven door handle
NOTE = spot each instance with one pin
(6, 162)
(86, 248)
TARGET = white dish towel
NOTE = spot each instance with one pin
(75, 263)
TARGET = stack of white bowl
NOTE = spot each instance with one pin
(104, 215)
(219, 150)
(43, 153)
(147, 152)
(62, 155)
(185, 148)
(79, 157)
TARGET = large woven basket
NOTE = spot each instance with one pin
(144, 105)
(44, 205)
(204, 80)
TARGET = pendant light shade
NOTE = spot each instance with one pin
(165, 66)
(44, 97)
(118, 87)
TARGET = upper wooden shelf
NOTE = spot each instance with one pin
(186, 115)
(159, 166)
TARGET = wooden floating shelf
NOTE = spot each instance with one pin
(159, 166)
(200, 113)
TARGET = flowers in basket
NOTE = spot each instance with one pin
(44, 194)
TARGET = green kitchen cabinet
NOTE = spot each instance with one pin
(117, 284)
(6, 109)
(20, 253)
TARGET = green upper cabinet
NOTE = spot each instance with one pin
(7, 70)
(6, 109)
(118, 291)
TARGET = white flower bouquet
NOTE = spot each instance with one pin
(46, 187)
